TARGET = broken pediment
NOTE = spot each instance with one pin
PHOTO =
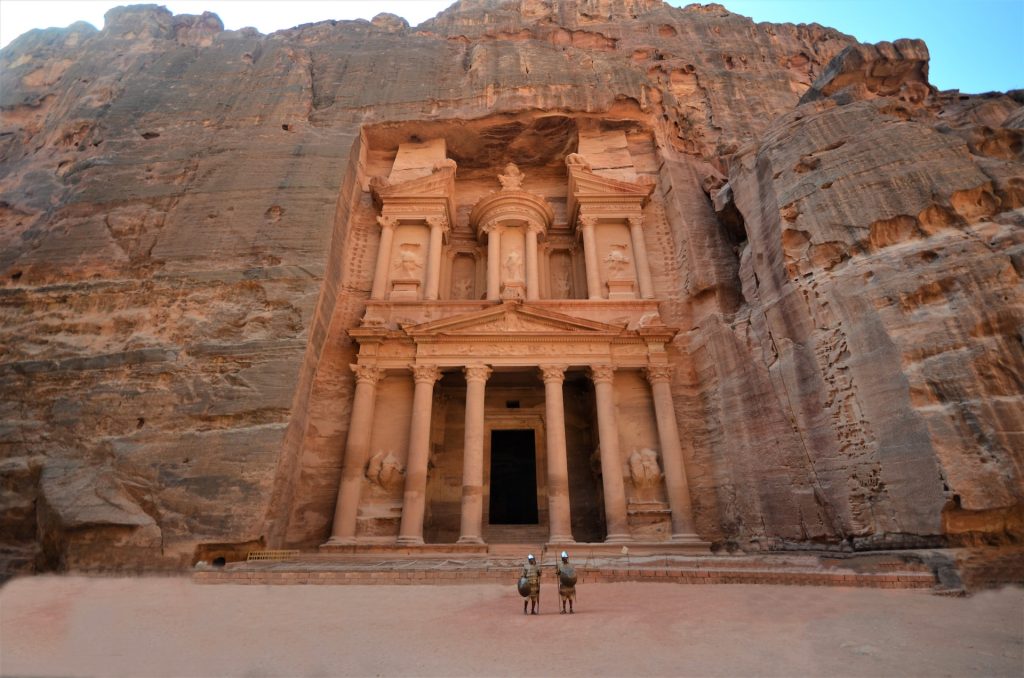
(602, 194)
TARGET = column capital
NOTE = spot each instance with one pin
(552, 373)
(387, 221)
(587, 221)
(602, 373)
(366, 374)
(635, 221)
(534, 227)
(438, 222)
(477, 372)
(658, 373)
(425, 373)
(491, 227)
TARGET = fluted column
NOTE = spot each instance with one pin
(437, 227)
(683, 528)
(532, 276)
(611, 462)
(471, 531)
(587, 226)
(414, 500)
(380, 271)
(643, 268)
(357, 449)
(493, 263)
(559, 519)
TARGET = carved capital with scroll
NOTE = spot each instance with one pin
(477, 372)
(425, 373)
(552, 373)
(657, 373)
(602, 373)
(387, 221)
(367, 374)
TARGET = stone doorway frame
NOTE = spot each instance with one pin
(512, 420)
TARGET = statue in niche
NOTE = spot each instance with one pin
(512, 179)
(563, 284)
(514, 266)
(617, 262)
(463, 288)
(644, 470)
(409, 261)
(385, 472)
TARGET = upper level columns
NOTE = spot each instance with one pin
(532, 277)
(438, 227)
(414, 500)
(493, 262)
(587, 226)
(672, 455)
(380, 271)
(357, 450)
(611, 462)
(643, 269)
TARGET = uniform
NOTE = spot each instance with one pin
(532, 573)
(566, 592)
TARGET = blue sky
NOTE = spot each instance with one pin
(976, 45)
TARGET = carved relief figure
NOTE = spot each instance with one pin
(514, 266)
(644, 470)
(561, 277)
(617, 262)
(409, 261)
(512, 179)
(385, 471)
(463, 288)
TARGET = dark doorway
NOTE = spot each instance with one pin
(513, 478)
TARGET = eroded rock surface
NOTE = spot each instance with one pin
(182, 226)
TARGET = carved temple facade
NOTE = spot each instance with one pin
(512, 371)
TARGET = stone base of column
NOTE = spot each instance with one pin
(618, 539)
(687, 539)
(410, 541)
(561, 539)
(340, 541)
(470, 540)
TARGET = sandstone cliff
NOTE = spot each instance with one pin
(175, 210)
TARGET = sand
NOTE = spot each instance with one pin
(79, 626)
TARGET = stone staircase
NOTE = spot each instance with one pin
(502, 562)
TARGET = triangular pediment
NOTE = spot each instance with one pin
(513, 319)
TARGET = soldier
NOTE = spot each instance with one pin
(566, 574)
(532, 575)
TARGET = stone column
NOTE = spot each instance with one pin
(560, 521)
(532, 276)
(437, 226)
(471, 531)
(414, 500)
(672, 454)
(611, 462)
(643, 268)
(587, 226)
(493, 263)
(380, 272)
(357, 450)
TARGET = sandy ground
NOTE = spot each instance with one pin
(76, 626)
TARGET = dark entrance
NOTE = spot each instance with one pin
(513, 478)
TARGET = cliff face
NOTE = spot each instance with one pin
(178, 204)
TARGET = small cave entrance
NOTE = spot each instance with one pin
(513, 478)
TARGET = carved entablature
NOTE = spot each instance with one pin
(512, 334)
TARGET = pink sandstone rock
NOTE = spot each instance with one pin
(188, 233)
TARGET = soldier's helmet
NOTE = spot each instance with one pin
(565, 555)
(530, 558)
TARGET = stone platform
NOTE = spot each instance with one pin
(577, 549)
(895, 570)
